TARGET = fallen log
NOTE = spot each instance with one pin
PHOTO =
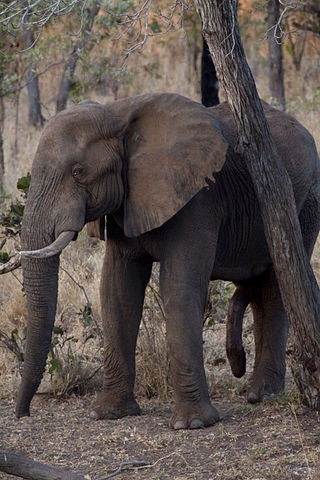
(29, 469)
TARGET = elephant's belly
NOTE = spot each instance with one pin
(238, 272)
(236, 261)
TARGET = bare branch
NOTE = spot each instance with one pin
(25, 84)
(310, 22)
(140, 465)
(11, 344)
(136, 25)
(12, 264)
(124, 466)
(133, 24)
(82, 288)
(37, 13)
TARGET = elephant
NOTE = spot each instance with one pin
(163, 173)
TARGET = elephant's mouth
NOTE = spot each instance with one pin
(54, 248)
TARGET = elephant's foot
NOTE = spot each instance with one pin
(263, 386)
(191, 416)
(109, 407)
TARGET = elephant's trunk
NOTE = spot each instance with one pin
(40, 279)
(41, 286)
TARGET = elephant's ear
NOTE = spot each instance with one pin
(173, 146)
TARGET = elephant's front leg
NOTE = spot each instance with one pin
(123, 284)
(184, 300)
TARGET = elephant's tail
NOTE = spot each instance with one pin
(241, 298)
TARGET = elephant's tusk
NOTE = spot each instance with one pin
(53, 249)
(12, 264)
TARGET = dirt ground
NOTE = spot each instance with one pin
(275, 440)
(278, 440)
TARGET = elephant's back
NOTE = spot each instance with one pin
(295, 145)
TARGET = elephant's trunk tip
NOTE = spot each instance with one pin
(22, 412)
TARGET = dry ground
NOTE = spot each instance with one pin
(277, 440)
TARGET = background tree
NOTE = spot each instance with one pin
(1, 144)
(209, 79)
(5, 58)
(276, 81)
(25, 44)
(300, 292)
(306, 16)
(79, 47)
(301, 24)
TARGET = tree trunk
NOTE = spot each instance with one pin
(276, 83)
(209, 80)
(299, 289)
(36, 118)
(70, 66)
(24, 467)
(1, 145)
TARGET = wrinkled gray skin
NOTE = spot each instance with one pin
(147, 163)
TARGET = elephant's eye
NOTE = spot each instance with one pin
(77, 171)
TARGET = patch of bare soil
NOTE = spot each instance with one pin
(275, 440)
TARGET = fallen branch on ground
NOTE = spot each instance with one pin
(25, 467)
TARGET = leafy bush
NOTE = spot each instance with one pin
(11, 219)
(71, 360)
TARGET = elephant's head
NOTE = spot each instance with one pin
(144, 157)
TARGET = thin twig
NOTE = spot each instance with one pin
(84, 293)
(140, 464)
(152, 465)
(158, 299)
(124, 466)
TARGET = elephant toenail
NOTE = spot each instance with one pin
(179, 425)
(196, 423)
(253, 397)
(94, 415)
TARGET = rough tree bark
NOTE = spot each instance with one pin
(299, 289)
(276, 82)
(70, 66)
(209, 79)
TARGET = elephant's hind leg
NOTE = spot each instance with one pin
(271, 332)
(270, 320)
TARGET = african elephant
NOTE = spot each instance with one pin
(162, 168)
